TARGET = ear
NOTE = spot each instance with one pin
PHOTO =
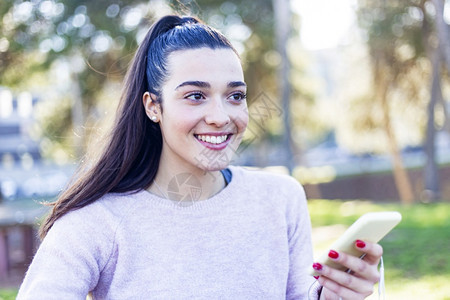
(152, 107)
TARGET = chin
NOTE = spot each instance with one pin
(212, 160)
(214, 168)
(213, 165)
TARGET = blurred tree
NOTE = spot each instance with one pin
(432, 188)
(443, 32)
(439, 55)
(443, 36)
(282, 29)
(400, 36)
(91, 40)
(98, 34)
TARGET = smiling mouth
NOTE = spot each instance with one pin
(213, 139)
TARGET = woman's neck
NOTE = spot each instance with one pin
(186, 184)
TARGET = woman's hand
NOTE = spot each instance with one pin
(359, 283)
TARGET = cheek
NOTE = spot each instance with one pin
(180, 120)
(241, 120)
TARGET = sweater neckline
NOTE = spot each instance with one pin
(221, 199)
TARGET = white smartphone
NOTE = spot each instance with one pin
(370, 227)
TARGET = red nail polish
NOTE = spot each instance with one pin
(316, 277)
(317, 266)
(333, 254)
(360, 244)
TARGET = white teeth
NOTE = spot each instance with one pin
(212, 139)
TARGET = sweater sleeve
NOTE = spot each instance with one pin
(300, 246)
(68, 263)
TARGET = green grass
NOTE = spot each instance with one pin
(8, 294)
(416, 252)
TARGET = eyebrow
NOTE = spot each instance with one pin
(234, 84)
(201, 84)
(204, 84)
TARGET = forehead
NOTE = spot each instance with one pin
(204, 64)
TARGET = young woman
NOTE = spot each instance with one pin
(161, 215)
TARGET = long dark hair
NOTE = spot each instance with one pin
(130, 160)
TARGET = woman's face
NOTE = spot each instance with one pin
(204, 109)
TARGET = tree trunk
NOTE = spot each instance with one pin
(431, 175)
(401, 177)
(282, 19)
(442, 32)
(445, 109)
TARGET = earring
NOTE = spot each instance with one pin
(153, 118)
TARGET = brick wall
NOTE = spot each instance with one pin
(377, 187)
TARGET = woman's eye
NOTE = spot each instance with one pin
(195, 96)
(238, 97)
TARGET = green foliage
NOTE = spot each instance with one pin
(8, 294)
(392, 24)
(93, 39)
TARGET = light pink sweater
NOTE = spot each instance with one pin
(250, 241)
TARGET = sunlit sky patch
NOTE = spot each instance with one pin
(324, 23)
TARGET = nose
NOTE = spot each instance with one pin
(216, 114)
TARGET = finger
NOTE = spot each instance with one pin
(341, 281)
(373, 251)
(360, 267)
(331, 289)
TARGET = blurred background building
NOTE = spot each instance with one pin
(23, 173)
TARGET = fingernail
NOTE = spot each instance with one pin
(360, 244)
(316, 277)
(317, 266)
(333, 254)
